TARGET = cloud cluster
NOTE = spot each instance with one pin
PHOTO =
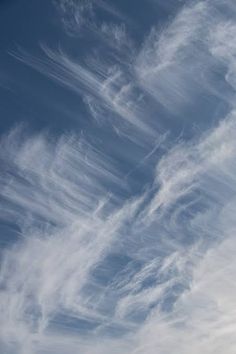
(96, 268)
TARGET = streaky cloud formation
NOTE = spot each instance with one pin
(126, 246)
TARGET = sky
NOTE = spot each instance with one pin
(118, 176)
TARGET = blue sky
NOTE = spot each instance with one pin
(118, 179)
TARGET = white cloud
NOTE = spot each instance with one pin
(109, 85)
(80, 15)
(94, 270)
(54, 281)
(177, 63)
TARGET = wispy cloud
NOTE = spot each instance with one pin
(59, 277)
(98, 268)
(110, 87)
(77, 15)
(187, 42)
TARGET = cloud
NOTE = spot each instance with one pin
(84, 265)
(53, 193)
(99, 267)
(108, 85)
(177, 63)
(203, 318)
(77, 15)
